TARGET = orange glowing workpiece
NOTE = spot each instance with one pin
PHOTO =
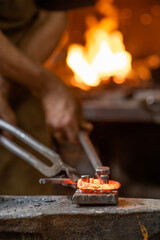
(95, 184)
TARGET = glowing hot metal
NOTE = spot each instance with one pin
(95, 184)
(99, 190)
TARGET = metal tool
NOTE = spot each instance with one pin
(49, 171)
(89, 190)
(99, 190)
(80, 197)
(101, 172)
(56, 181)
(89, 150)
(109, 198)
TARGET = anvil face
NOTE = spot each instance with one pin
(95, 198)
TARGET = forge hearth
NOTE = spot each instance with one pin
(123, 106)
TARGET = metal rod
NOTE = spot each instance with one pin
(89, 149)
(56, 181)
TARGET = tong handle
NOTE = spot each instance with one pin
(89, 149)
(27, 139)
(30, 158)
(48, 171)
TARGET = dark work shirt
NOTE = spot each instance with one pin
(16, 16)
(64, 4)
(18, 13)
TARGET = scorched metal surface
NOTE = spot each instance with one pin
(56, 218)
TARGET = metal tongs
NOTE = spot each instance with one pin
(49, 171)
(57, 164)
(91, 154)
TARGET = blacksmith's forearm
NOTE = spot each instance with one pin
(16, 66)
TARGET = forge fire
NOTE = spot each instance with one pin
(104, 55)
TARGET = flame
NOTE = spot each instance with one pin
(103, 55)
(95, 184)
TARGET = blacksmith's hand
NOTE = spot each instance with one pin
(62, 111)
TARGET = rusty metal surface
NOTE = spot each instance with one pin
(94, 198)
(55, 217)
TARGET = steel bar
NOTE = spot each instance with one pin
(56, 181)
